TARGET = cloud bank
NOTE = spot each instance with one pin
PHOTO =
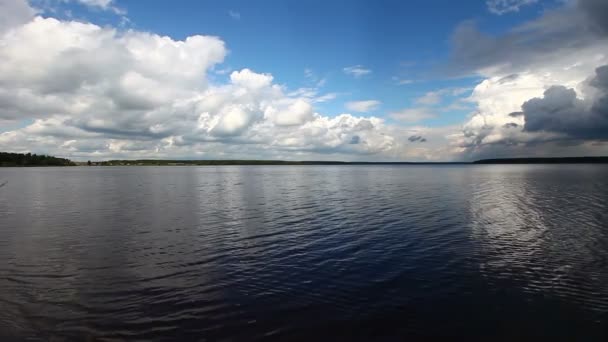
(83, 91)
(544, 92)
(94, 91)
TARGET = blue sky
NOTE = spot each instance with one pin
(349, 80)
(398, 41)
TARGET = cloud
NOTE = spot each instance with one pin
(222, 71)
(313, 95)
(311, 76)
(561, 111)
(412, 115)
(416, 138)
(402, 81)
(559, 116)
(435, 97)
(234, 15)
(596, 13)
(542, 64)
(362, 106)
(458, 105)
(14, 13)
(250, 80)
(501, 7)
(430, 98)
(105, 5)
(356, 71)
(290, 113)
(325, 98)
(99, 93)
(558, 34)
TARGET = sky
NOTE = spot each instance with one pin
(304, 80)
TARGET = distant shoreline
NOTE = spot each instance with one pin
(557, 160)
(29, 160)
(158, 162)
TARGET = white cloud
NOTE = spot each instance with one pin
(232, 120)
(498, 96)
(249, 79)
(402, 81)
(222, 71)
(234, 15)
(105, 5)
(357, 71)
(500, 7)
(564, 56)
(412, 115)
(435, 97)
(290, 113)
(430, 98)
(98, 93)
(311, 76)
(362, 106)
(325, 98)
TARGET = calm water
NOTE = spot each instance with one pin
(304, 252)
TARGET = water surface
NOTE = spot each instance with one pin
(304, 252)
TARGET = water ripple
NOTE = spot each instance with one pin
(301, 253)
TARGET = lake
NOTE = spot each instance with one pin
(374, 252)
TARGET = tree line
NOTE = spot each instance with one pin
(29, 159)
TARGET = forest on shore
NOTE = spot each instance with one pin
(29, 159)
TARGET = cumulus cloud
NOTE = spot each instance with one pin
(505, 6)
(357, 71)
(557, 117)
(89, 71)
(561, 111)
(290, 113)
(412, 115)
(14, 13)
(97, 92)
(362, 106)
(535, 99)
(250, 80)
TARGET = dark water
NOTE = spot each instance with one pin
(304, 253)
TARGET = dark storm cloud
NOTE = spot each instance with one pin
(416, 138)
(561, 111)
(600, 81)
(597, 13)
(572, 26)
